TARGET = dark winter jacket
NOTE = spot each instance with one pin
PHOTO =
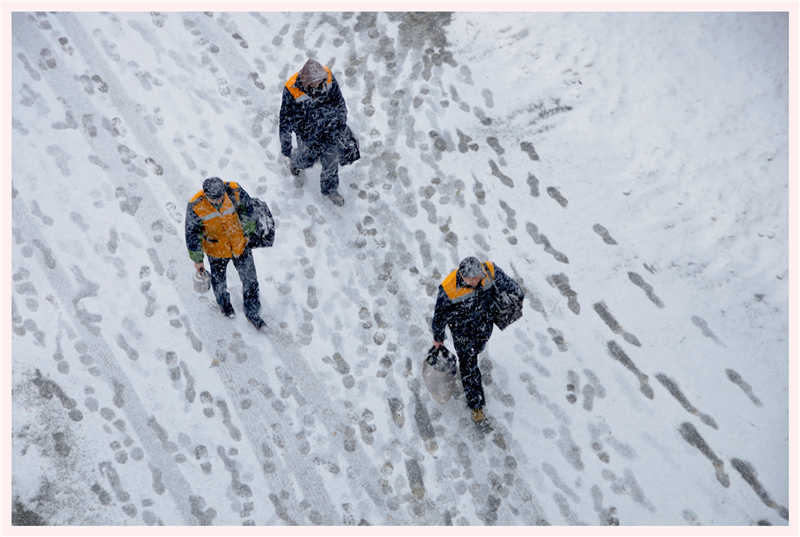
(467, 310)
(220, 232)
(317, 117)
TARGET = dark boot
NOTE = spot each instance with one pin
(247, 274)
(227, 310)
(471, 377)
(257, 321)
(336, 198)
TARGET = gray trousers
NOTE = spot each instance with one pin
(305, 156)
(247, 274)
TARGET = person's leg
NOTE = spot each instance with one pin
(471, 376)
(246, 267)
(303, 157)
(218, 283)
(329, 178)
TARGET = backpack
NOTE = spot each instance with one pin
(506, 305)
(507, 308)
(264, 235)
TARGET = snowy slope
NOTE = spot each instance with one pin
(631, 170)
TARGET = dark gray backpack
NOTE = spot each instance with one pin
(507, 308)
(348, 147)
(506, 305)
(264, 235)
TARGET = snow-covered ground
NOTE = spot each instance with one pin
(631, 170)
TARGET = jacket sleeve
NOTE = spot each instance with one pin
(339, 119)
(506, 283)
(286, 123)
(441, 314)
(245, 206)
(194, 235)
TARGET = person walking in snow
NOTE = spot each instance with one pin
(313, 108)
(465, 303)
(219, 219)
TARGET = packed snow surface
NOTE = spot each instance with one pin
(629, 170)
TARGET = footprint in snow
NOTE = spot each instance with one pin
(47, 61)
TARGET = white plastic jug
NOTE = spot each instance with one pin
(202, 281)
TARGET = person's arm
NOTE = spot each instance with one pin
(286, 124)
(338, 105)
(441, 313)
(245, 210)
(194, 235)
(245, 206)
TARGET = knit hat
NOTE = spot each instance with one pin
(312, 73)
(213, 187)
(471, 267)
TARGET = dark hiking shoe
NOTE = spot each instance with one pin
(293, 170)
(335, 197)
(257, 321)
(478, 416)
(482, 424)
(227, 310)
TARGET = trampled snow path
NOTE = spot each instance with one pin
(643, 209)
